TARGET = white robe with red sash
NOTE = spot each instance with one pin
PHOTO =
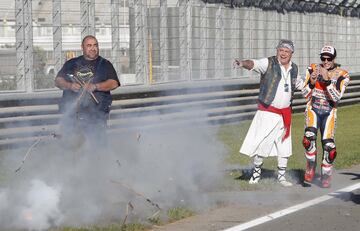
(264, 137)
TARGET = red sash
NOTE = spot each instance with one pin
(284, 112)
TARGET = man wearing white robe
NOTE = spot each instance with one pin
(269, 133)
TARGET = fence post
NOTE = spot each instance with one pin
(87, 20)
(24, 46)
(57, 35)
(115, 35)
(164, 51)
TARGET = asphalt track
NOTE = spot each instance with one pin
(326, 212)
(301, 207)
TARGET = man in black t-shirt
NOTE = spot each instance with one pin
(86, 82)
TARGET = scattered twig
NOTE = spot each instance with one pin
(128, 206)
(135, 192)
(138, 137)
(36, 142)
(154, 215)
(28, 153)
(118, 162)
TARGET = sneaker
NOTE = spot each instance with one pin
(255, 176)
(284, 182)
(325, 181)
(254, 180)
(310, 171)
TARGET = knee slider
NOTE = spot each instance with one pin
(329, 151)
(309, 139)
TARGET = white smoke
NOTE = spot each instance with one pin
(42, 209)
(35, 206)
(168, 166)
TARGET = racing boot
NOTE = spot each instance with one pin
(326, 172)
(325, 180)
(310, 171)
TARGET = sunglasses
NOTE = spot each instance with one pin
(328, 59)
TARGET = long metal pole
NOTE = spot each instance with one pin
(24, 46)
(203, 40)
(87, 17)
(20, 44)
(115, 35)
(219, 43)
(57, 35)
(164, 51)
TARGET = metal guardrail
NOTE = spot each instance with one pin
(26, 117)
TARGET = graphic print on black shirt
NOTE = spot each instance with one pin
(85, 73)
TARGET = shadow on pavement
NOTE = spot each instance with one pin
(356, 175)
(349, 196)
(295, 175)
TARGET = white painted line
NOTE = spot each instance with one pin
(292, 209)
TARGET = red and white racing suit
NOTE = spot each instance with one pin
(322, 99)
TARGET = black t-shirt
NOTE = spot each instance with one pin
(88, 69)
(93, 71)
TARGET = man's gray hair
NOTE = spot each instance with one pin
(286, 43)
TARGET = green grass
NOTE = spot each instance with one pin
(112, 227)
(178, 213)
(173, 214)
(347, 138)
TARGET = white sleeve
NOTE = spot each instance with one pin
(306, 91)
(336, 94)
(300, 83)
(260, 65)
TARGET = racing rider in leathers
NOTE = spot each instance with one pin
(325, 84)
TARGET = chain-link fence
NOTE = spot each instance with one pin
(159, 41)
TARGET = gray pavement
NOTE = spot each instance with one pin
(339, 213)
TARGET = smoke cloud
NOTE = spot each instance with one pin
(61, 184)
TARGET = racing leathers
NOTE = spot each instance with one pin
(322, 100)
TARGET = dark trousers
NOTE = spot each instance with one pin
(84, 129)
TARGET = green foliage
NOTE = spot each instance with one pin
(178, 213)
(42, 80)
(8, 83)
(155, 220)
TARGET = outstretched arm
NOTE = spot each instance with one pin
(257, 65)
(247, 64)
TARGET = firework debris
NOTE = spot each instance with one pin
(137, 193)
(36, 142)
(154, 215)
(130, 207)
(118, 162)
(138, 137)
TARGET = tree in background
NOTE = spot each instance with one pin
(43, 79)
